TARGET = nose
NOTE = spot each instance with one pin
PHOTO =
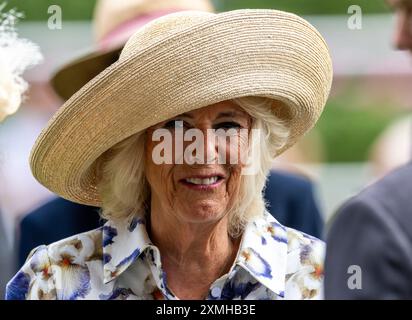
(202, 147)
(210, 147)
(403, 31)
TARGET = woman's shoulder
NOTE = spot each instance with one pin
(299, 256)
(78, 248)
(295, 240)
(298, 240)
(305, 265)
(37, 277)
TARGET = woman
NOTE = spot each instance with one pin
(158, 141)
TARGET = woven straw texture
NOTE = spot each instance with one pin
(175, 64)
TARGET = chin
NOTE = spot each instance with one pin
(204, 211)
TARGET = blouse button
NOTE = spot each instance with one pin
(216, 292)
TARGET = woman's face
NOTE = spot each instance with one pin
(199, 181)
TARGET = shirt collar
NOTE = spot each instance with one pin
(262, 253)
(123, 243)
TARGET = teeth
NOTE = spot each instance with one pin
(206, 181)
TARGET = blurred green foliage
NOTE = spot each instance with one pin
(82, 9)
(349, 127)
(37, 9)
(306, 7)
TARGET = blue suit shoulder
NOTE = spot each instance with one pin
(372, 230)
(392, 193)
(288, 181)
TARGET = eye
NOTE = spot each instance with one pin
(175, 124)
(228, 125)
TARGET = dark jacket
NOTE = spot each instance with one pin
(373, 232)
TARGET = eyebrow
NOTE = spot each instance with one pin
(228, 114)
(184, 115)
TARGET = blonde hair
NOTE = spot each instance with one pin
(125, 193)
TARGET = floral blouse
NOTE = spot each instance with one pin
(120, 262)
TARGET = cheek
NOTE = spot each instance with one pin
(159, 176)
(236, 149)
(233, 183)
(243, 147)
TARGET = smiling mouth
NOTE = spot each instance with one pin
(202, 182)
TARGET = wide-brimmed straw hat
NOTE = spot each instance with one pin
(175, 64)
(114, 21)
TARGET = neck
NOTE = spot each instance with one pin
(193, 255)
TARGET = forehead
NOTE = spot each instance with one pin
(228, 108)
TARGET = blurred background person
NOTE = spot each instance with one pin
(392, 148)
(369, 252)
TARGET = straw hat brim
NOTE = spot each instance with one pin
(234, 54)
(71, 77)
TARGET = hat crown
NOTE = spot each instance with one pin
(110, 14)
(161, 28)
